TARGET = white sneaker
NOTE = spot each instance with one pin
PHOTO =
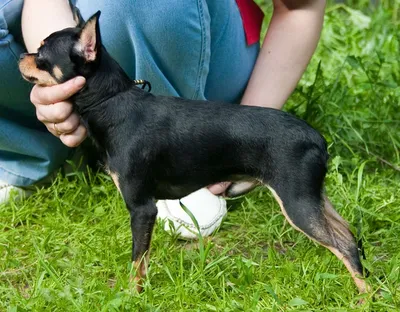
(7, 190)
(207, 208)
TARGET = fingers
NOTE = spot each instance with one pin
(71, 132)
(55, 113)
(62, 122)
(58, 93)
(70, 124)
(74, 138)
(218, 188)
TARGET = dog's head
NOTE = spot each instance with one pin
(64, 55)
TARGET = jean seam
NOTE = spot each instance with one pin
(4, 5)
(13, 173)
(11, 50)
(203, 49)
(224, 29)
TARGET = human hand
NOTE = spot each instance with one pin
(219, 188)
(53, 109)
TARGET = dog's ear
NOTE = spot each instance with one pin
(89, 38)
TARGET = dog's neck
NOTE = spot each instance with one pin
(108, 80)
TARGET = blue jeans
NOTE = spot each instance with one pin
(194, 49)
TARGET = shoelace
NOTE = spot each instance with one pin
(5, 185)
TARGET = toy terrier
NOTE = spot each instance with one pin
(163, 147)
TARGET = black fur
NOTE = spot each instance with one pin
(162, 147)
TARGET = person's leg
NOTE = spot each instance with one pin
(194, 49)
(232, 60)
(164, 42)
(28, 152)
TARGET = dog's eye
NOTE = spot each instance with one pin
(41, 63)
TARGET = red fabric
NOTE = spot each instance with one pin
(252, 18)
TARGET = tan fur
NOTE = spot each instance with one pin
(279, 200)
(28, 68)
(88, 40)
(336, 222)
(57, 72)
(360, 283)
(140, 270)
(114, 176)
(340, 227)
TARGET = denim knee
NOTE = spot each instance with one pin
(160, 41)
(177, 44)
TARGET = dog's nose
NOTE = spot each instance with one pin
(21, 56)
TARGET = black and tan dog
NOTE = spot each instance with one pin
(159, 147)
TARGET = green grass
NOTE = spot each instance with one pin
(67, 248)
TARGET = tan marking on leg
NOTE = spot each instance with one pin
(57, 72)
(279, 200)
(336, 221)
(360, 283)
(140, 271)
(341, 228)
(136, 281)
(115, 177)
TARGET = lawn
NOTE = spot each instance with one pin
(67, 247)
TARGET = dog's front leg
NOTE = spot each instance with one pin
(143, 215)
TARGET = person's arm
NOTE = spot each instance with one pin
(291, 40)
(40, 18)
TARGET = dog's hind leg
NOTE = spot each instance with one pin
(349, 256)
(298, 188)
(319, 221)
